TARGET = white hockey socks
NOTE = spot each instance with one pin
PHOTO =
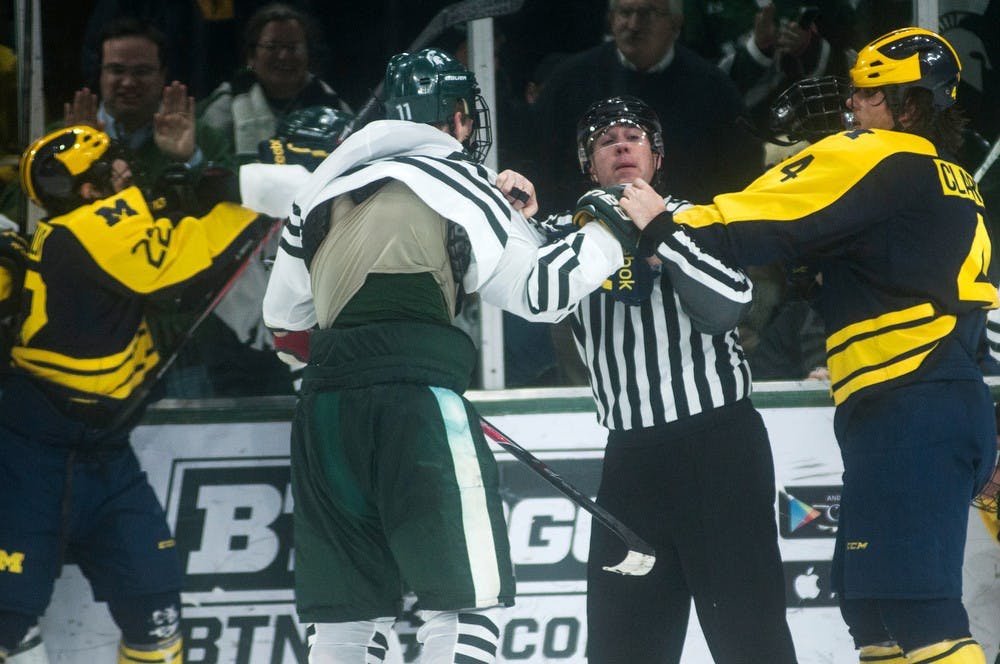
(358, 642)
(470, 636)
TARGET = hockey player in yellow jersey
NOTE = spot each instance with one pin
(897, 230)
(82, 353)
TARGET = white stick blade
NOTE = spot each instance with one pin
(635, 564)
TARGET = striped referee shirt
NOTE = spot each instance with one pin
(676, 353)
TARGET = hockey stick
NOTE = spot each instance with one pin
(988, 161)
(246, 253)
(450, 16)
(640, 557)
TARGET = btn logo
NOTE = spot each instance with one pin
(11, 562)
(233, 524)
(549, 535)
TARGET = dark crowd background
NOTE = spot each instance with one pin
(357, 39)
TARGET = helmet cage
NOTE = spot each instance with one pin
(481, 139)
(910, 57)
(812, 108)
(623, 110)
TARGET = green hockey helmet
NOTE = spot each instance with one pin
(315, 127)
(429, 86)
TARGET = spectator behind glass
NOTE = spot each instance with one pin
(275, 80)
(180, 21)
(133, 104)
(696, 102)
(765, 49)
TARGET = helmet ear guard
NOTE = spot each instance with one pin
(428, 86)
(614, 111)
(53, 167)
(907, 58)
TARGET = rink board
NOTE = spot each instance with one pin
(224, 481)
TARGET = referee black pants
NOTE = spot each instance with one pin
(701, 491)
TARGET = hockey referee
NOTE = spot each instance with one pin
(688, 462)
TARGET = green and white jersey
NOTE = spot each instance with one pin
(509, 267)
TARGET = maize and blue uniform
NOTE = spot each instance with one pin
(898, 233)
(71, 482)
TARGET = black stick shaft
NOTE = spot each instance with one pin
(139, 398)
(448, 17)
(605, 518)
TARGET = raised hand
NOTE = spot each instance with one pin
(82, 110)
(173, 125)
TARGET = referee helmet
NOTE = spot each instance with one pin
(611, 112)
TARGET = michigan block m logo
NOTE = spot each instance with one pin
(11, 562)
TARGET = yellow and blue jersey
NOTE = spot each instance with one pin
(898, 232)
(89, 275)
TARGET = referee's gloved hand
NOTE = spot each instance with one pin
(602, 205)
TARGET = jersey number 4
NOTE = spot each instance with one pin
(973, 283)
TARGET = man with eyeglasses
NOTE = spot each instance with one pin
(139, 110)
(276, 81)
(153, 121)
(697, 104)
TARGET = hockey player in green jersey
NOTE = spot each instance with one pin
(395, 487)
(898, 232)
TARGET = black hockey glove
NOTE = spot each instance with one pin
(182, 192)
(602, 205)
